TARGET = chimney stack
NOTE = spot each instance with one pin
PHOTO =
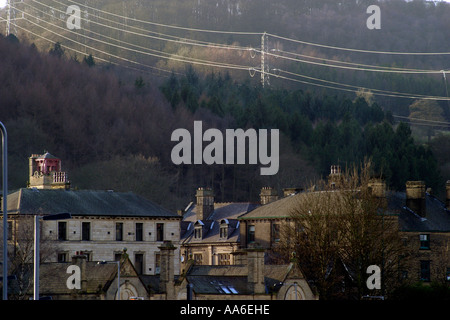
(268, 195)
(415, 197)
(205, 203)
(79, 259)
(377, 188)
(291, 191)
(255, 265)
(166, 275)
(335, 177)
(447, 195)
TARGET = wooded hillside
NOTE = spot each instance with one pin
(111, 126)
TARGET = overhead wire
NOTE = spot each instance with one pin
(169, 38)
(356, 50)
(377, 92)
(169, 26)
(434, 122)
(414, 71)
(357, 88)
(125, 48)
(161, 54)
(349, 63)
(215, 64)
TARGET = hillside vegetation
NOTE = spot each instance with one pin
(111, 126)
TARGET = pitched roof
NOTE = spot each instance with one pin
(437, 216)
(233, 280)
(53, 277)
(277, 209)
(84, 203)
(227, 212)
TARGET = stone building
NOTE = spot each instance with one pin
(423, 223)
(98, 280)
(102, 223)
(210, 230)
(249, 279)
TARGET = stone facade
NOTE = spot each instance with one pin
(102, 223)
(103, 245)
(423, 223)
(210, 230)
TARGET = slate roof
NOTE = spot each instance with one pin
(437, 217)
(54, 277)
(84, 203)
(211, 227)
(277, 209)
(232, 280)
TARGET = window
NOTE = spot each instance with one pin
(275, 232)
(117, 256)
(62, 257)
(119, 231)
(88, 255)
(224, 259)
(198, 258)
(85, 231)
(139, 262)
(224, 231)
(425, 270)
(62, 230)
(424, 241)
(139, 231)
(198, 232)
(160, 232)
(250, 234)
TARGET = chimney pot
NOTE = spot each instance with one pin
(268, 194)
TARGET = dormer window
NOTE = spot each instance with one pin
(224, 229)
(198, 230)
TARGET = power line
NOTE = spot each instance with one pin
(184, 59)
(160, 55)
(354, 68)
(357, 50)
(435, 122)
(170, 38)
(357, 88)
(168, 26)
(348, 63)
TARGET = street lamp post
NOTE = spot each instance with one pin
(5, 209)
(118, 274)
(57, 216)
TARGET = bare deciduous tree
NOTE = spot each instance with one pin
(339, 228)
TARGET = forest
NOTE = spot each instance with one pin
(111, 126)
